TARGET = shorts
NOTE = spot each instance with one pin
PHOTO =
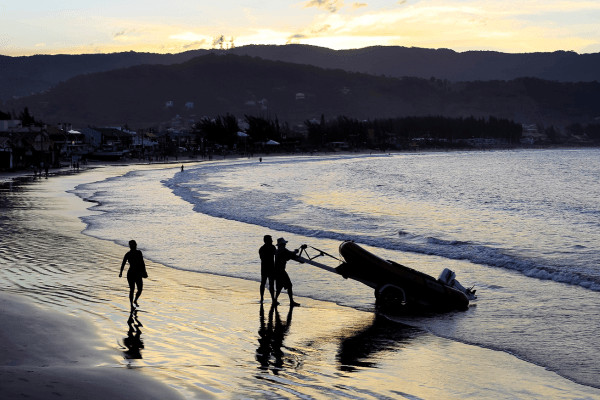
(282, 280)
(267, 272)
(134, 280)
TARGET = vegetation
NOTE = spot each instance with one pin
(223, 130)
(344, 129)
(21, 76)
(590, 131)
(24, 116)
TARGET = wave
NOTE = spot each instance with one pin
(261, 214)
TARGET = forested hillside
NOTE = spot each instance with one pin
(21, 76)
(238, 85)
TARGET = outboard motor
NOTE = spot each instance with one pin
(448, 276)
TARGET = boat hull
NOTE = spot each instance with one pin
(417, 289)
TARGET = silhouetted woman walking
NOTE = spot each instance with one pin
(137, 271)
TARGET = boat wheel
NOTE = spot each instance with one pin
(390, 296)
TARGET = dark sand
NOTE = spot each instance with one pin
(45, 354)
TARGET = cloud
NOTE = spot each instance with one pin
(295, 38)
(465, 25)
(329, 5)
(40, 44)
(527, 25)
(320, 30)
(198, 43)
(356, 6)
(128, 35)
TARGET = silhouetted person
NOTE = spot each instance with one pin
(282, 279)
(182, 168)
(133, 342)
(267, 267)
(46, 167)
(260, 159)
(137, 271)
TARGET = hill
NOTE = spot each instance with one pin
(21, 76)
(237, 84)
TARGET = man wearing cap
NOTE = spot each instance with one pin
(282, 279)
(267, 267)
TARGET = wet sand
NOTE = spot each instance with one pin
(46, 354)
(207, 336)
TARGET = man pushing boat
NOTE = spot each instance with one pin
(282, 279)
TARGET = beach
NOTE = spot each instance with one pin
(205, 334)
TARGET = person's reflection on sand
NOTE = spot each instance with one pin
(265, 333)
(364, 346)
(133, 343)
(271, 336)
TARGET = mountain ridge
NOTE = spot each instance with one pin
(238, 84)
(21, 76)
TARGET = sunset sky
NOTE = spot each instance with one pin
(84, 26)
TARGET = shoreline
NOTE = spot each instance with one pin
(195, 322)
(8, 176)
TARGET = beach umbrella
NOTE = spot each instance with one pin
(242, 134)
(272, 143)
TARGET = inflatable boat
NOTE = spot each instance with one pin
(396, 285)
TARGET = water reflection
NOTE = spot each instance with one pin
(364, 346)
(272, 333)
(133, 343)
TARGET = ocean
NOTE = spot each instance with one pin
(521, 226)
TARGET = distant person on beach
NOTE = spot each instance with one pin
(137, 271)
(267, 267)
(282, 279)
(46, 170)
(260, 159)
(182, 168)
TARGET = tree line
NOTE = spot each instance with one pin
(24, 116)
(404, 129)
(592, 131)
(223, 129)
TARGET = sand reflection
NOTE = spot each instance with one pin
(133, 343)
(272, 333)
(365, 344)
